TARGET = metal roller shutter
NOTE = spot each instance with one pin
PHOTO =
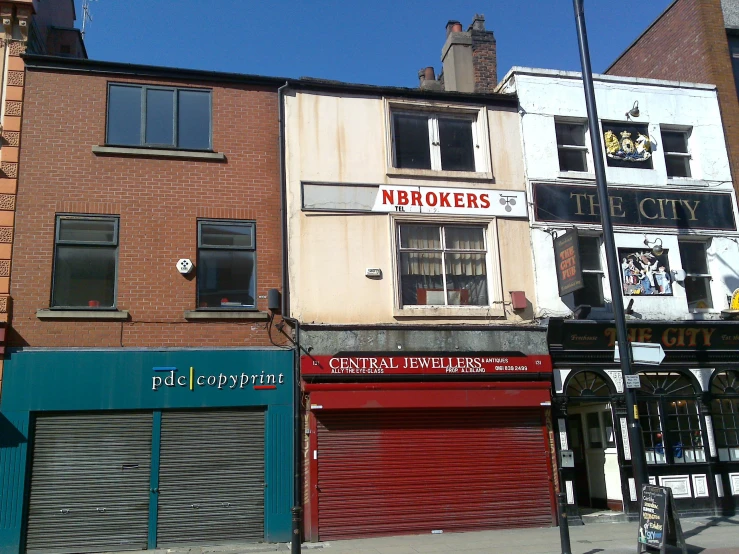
(211, 477)
(90, 483)
(383, 472)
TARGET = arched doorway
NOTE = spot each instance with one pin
(593, 441)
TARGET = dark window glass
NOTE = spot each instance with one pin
(412, 148)
(677, 166)
(572, 160)
(160, 117)
(693, 257)
(85, 263)
(595, 440)
(178, 118)
(698, 292)
(570, 134)
(674, 141)
(592, 294)
(124, 115)
(684, 433)
(457, 148)
(193, 120)
(651, 427)
(734, 49)
(590, 253)
(226, 265)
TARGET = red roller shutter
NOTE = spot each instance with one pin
(387, 472)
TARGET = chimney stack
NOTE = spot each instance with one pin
(427, 79)
(469, 58)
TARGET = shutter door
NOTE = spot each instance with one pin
(211, 477)
(383, 472)
(90, 483)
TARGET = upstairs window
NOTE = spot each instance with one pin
(435, 141)
(592, 273)
(85, 260)
(443, 265)
(677, 156)
(698, 279)
(226, 264)
(160, 117)
(571, 146)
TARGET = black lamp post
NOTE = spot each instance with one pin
(632, 417)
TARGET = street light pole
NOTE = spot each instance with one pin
(637, 451)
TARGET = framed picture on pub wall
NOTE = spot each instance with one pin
(645, 274)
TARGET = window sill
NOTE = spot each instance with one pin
(485, 312)
(253, 315)
(158, 153)
(577, 175)
(686, 182)
(111, 315)
(440, 174)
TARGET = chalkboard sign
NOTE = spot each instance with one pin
(659, 524)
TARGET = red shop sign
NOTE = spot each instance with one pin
(424, 365)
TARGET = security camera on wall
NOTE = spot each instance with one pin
(184, 266)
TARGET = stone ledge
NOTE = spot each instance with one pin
(224, 314)
(158, 153)
(117, 315)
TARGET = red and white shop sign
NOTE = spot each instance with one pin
(435, 200)
(423, 365)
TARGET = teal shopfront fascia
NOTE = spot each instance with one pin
(127, 449)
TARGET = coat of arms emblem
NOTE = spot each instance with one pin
(626, 148)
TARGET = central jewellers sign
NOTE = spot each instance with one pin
(634, 207)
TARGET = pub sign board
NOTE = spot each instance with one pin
(567, 259)
(634, 207)
(659, 523)
(369, 365)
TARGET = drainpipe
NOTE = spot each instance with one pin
(297, 509)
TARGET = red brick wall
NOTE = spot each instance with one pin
(688, 43)
(158, 200)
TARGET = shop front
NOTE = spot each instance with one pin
(424, 443)
(688, 409)
(107, 450)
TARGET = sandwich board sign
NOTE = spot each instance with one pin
(659, 524)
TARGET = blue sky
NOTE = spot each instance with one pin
(383, 42)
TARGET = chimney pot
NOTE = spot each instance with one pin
(428, 73)
(453, 26)
(478, 23)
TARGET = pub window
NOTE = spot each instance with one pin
(85, 261)
(627, 145)
(587, 384)
(677, 155)
(698, 279)
(670, 419)
(226, 264)
(571, 145)
(443, 265)
(725, 410)
(592, 273)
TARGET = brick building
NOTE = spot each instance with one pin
(148, 236)
(695, 41)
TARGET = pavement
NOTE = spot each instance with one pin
(709, 535)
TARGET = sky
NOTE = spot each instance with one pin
(382, 42)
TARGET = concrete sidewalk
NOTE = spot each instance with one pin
(712, 535)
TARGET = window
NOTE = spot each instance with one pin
(592, 273)
(226, 264)
(443, 265)
(571, 146)
(698, 280)
(159, 117)
(725, 408)
(670, 419)
(734, 50)
(445, 142)
(627, 145)
(85, 259)
(677, 156)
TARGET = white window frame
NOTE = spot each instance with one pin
(600, 271)
(588, 155)
(706, 246)
(686, 132)
(495, 308)
(477, 116)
